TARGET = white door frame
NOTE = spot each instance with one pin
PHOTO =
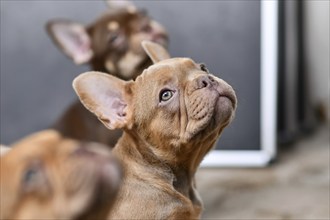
(268, 100)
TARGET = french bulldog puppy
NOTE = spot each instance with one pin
(111, 44)
(46, 176)
(171, 115)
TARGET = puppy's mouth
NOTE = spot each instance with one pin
(230, 96)
(225, 105)
(211, 107)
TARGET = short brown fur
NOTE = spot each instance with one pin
(46, 176)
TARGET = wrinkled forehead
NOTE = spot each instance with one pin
(175, 69)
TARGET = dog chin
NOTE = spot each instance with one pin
(222, 114)
(223, 111)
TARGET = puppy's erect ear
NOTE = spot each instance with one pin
(72, 38)
(122, 4)
(108, 97)
(155, 51)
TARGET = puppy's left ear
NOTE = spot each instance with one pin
(72, 38)
(108, 97)
(155, 51)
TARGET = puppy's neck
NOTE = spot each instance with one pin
(136, 153)
(139, 159)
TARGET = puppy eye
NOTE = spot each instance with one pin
(30, 174)
(203, 67)
(165, 95)
(33, 177)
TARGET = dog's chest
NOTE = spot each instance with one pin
(153, 201)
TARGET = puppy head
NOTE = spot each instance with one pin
(45, 176)
(113, 42)
(176, 106)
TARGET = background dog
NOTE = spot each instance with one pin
(46, 176)
(172, 115)
(111, 44)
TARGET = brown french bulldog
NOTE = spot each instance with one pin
(111, 44)
(171, 115)
(46, 176)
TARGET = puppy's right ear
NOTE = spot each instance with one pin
(108, 97)
(155, 51)
(72, 38)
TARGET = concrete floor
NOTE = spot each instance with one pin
(295, 187)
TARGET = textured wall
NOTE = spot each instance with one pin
(36, 77)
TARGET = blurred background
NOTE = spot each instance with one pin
(36, 77)
(36, 88)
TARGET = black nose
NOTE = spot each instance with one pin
(205, 81)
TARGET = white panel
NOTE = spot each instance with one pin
(268, 96)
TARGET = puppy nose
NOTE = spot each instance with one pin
(205, 81)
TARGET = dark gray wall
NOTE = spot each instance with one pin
(36, 77)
